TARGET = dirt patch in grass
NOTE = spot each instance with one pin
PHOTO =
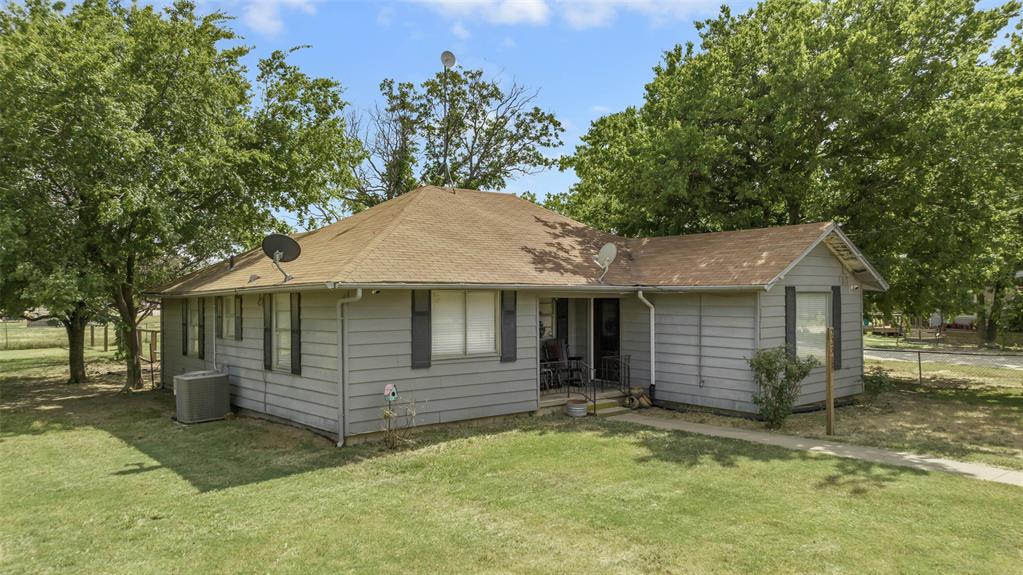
(945, 417)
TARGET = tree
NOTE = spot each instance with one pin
(485, 134)
(893, 117)
(145, 120)
(43, 274)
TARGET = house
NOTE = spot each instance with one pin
(450, 295)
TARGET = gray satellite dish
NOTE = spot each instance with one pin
(281, 248)
(605, 257)
(448, 59)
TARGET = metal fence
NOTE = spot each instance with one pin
(995, 368)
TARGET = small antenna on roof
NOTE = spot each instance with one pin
(281, 248)
(604, 258)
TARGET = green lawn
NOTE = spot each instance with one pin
(98, 482)
(14, 334)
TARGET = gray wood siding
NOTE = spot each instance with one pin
(818, 272)
(636, 337)
(309, 399)
(715, 374)
(379, 352)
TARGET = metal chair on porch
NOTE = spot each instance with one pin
(558, 369)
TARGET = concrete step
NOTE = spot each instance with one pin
(608, 412)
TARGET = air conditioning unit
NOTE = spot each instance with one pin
(202, 396)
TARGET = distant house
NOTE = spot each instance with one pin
(458, 297)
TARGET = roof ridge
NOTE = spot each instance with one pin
(822, 225)
(411, 198)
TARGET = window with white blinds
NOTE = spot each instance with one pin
(811, 324)
(193, 326)
(463, 322)
(281, 307)
(227, 317)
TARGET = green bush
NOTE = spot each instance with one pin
(877, 379)
(779, 376)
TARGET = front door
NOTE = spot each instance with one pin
(606, 332)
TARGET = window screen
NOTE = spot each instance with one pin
(463, 322)
(546, 313)
(193, 326)
(282, 331)
(480, 322)
(811, 324)
(227, 318)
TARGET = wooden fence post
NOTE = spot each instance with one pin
(92, 335)
(106, 343)
(829, 382)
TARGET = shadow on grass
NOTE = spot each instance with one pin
(688, 450)
(242, 451)
(964, 391)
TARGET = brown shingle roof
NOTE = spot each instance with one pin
(439, 236)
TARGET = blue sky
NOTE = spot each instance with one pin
(587, 57)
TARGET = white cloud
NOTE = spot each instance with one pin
(385, 16)
(265, 16)
(494, 11)
(459, 31)
(598, 109)
(574, 13)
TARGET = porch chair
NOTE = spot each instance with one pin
(563, 369)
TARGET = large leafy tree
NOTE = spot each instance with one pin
(143, 123)
(898, 118)
(458, 122)
(45, 274)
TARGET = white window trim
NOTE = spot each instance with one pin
(827, 319)
(227, 320)
(465, 329)
(275, 364)
(193, 327)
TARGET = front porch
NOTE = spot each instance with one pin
(580, 352)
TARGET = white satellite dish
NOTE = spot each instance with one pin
(448, 59)
(605, 257)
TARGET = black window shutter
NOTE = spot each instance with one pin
(219, 307)
(421, 334)
(238, 317)
(202, 328)
(184, 327)
(790, 319)
(561, 321)
(836, 325)
(296, 333)
(508, 331)
(268, 360)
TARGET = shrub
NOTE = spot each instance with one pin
(779, 376)
(877, 379)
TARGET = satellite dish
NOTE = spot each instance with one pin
(605, 257)
(448, 59)
(281, 248)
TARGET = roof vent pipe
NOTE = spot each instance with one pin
(653, 344)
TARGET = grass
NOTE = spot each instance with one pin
(958, 340)
(15, 334)
(976, 375)
(96, 481)
(948, 415)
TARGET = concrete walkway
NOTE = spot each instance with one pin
(874, 454)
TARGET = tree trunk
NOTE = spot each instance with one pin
(795, 211)
(993, 312)
(128, 312)
(75, 324)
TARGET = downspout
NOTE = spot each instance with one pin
(653, 346)
(342, 346)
